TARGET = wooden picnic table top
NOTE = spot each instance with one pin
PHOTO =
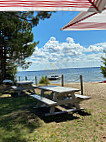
(59, 89)
(24, 82)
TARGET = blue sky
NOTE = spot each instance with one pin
(51, 27)
(65, 49)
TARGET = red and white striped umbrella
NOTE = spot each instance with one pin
(50, 5)
(88, 21)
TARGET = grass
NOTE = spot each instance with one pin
(20, 122)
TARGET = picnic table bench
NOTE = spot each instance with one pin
(60, 96)
(44, 100)
(23, 85)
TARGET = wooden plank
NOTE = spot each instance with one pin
(20, 88)
(34, 86)
(44, 100)
(24, 82)
(59, 89)
(81, 82)
(14, 87)
(66, 111)
(61, 108)
(36, 80)
(82, 97)
(62, 80)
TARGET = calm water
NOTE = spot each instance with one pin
(70, 75)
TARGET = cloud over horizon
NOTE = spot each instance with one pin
(67, 54)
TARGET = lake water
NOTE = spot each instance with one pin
(70, 75)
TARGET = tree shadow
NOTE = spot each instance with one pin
(14, 139)
(15, 117)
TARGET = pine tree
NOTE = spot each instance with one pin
(103, 68)
(16, 40)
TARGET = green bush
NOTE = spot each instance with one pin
(103, 71)
(44, 80)
(103, 68)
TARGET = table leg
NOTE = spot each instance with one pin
(52, 110)
(55, 97)
(38, 104)
(52, 95)
(42, 92)
(33, 90)
(19, 93)
(77, 105)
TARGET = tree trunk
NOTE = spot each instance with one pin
(2, 60)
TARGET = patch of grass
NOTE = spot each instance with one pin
(16, 120)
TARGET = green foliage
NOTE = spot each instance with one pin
(44, 80)
(11, 72)
(16, 39)
(103, 71)
(103, 68)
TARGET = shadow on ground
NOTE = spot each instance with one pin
(18, 118)
(83, 113)
(40, 112)
(16, 121)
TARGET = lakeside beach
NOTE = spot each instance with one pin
(53, 83)
(86, 126)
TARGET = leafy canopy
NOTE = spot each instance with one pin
(16, 38)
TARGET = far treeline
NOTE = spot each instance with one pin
(16, 40)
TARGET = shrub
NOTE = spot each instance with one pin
(44, 80)
(103, 68)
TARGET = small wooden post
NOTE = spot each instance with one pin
(81, 82)
(46, 79)
(35, 80)
(62, 80)
(19, 78)
(26, 78)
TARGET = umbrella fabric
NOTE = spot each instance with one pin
(49, 5)
(88, 21)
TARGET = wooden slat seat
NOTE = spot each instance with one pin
(19, 88)
(14, 87)
(82, 97)
(34, 86)
(44, 100)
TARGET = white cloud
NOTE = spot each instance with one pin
(67, 54)
(70, 40)
(97, 47)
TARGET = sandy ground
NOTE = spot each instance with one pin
(94, 89)
(90, 89)
(97, 92)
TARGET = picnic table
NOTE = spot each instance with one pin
(59, 97)
(24, 85)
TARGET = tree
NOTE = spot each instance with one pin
(103, 68)
(16, 40)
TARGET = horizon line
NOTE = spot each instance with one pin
(58, 69)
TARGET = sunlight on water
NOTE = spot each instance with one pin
(70, 75)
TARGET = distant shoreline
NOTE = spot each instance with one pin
(57, 69)
(89, 74)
